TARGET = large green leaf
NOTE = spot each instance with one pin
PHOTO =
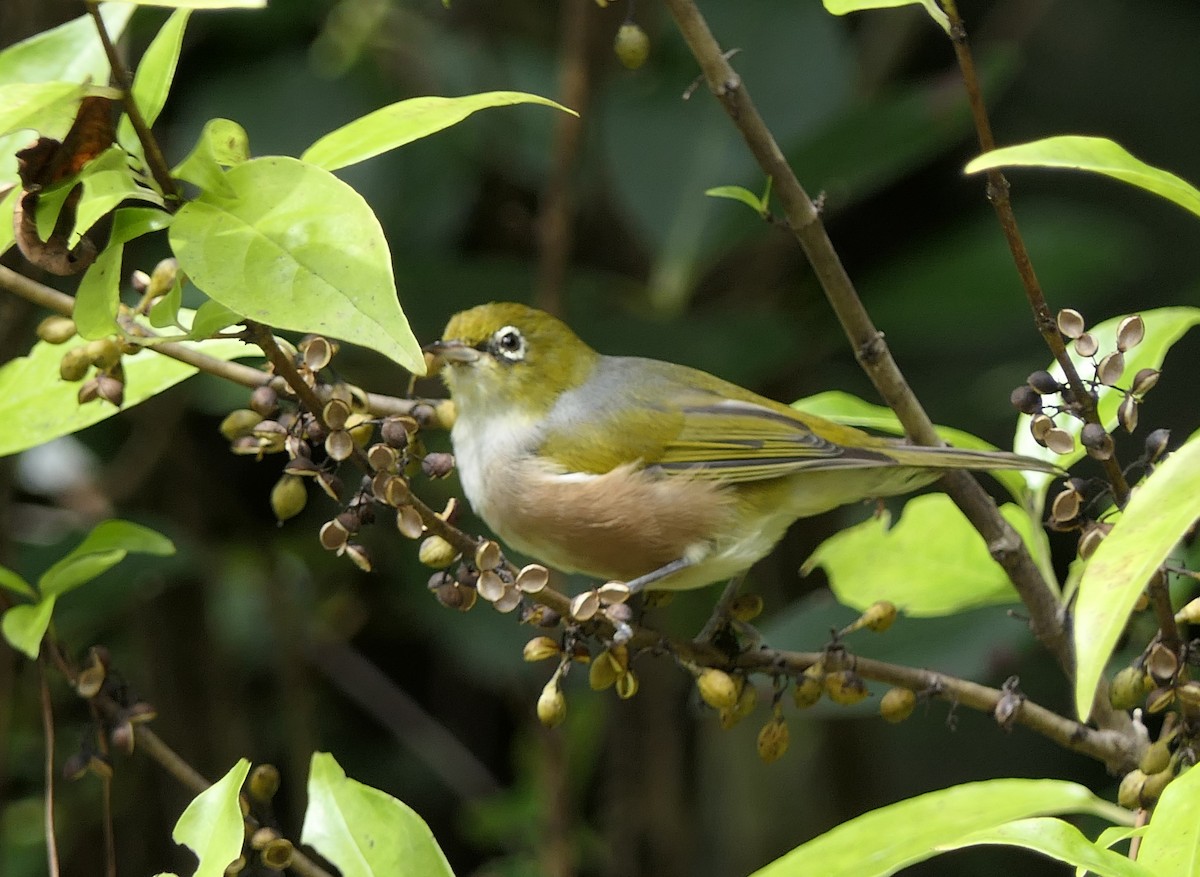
(297, 249)
(24, 105)
(36, 405)
(1159, 512)
(212, 827)
(198, 4)
(25, 625)
(1095, 154)
(363, 831)
(1164, 326)
(222, 143)
(1172, 841)
(155, 73)
(405, 121)
(13, 582)
(932, 562)
(1059, 840)
(841, 7)
(883, 841)
(104, 547)
(98, 299)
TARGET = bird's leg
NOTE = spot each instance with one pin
(640, 583)
(720, 619)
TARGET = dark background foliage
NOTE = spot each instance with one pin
(252, 641)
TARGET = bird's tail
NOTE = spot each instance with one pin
(968, 458)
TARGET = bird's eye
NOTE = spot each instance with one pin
(509, 343)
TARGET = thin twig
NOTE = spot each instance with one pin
(997, 194)
(48, 734)
(804, 219)
(121, 75)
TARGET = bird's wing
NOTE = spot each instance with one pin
(738, 440)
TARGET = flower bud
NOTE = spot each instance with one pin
(74, 364)
(845, 687)
(631, 45)
(773, 739)
(240, 422)
(263, 782)
(746, 607)
(436, 552)
(1044, 383)
(288, 497)
(552, 706)
(56, 330)
(1129, 794)
(897, 704)
(540, 648)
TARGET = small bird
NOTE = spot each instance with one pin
(648, 472)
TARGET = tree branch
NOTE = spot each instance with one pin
(804, 219)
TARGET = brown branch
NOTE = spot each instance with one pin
(48, 732)
(554, 222)
(804, 219)
(997, 194)
(124, 79)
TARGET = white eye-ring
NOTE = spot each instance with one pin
(509, 343)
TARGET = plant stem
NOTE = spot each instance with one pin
(52, 867)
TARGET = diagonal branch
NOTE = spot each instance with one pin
(804, 219)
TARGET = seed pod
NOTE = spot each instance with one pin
(532, 578)
(1157, 756)
(487, 555)
(627, 685)
(318, 352)
(613, 592)
(1071, 323)
(1144, 381)
(103, 353)
(56, 330)
(1129, 688)
(1159, 699)
(809, 687)
(74, 364)
(1066, 506)
(1086, 344)
(717, 688)
(1154, 785)
(1162, 664)
(437, 465)
(265, 401)
(490, 586)
(436, 552)
(1111, 368)
(396, 430)
(509, 600)
(744, 706)
(631, 45)
(773, 739)
(331, 484)
(1188, 694)
(1129, 794)
(1026, 399)
(845, 687)
(358, 555)
(277, 855)
(1090, 541)
(1127, 412)
(540, 648)
(1059, 441)
(1130, 332)
(604, 671)
(746, 607)
(1039, 427)
(551, 705)
(263, 782)
(240, 422)
(1190, 613)
(383, 457)
(90, 680)
(408, 522)
(288, 497)
(1156, 444)
(584, 606)
(897, 704)
(1044, 383)
(1098, 442)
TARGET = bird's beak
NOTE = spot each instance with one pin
(450, 351)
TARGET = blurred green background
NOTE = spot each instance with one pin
(254, 642)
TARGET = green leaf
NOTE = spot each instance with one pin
(932, 562)
(23, 105)
(13, 582)
(841, 7)
(1171, 844)
(155, 73)
(1164, 326)
(69, 53)
(296, 249)
(406, 121)
(1059, 840)
(1159, 512)
(363, 831)
(165, 311)
(98, 298)
(845, 408)
(24, 626)
(133, 222)
(738, 193)
(198, 4)
(1095, 154)
(883, 841)
(7, 203)
(103, 548)
(211, 317)
(36, 405)
(107, 181)
(212, 827)
(222, 143)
